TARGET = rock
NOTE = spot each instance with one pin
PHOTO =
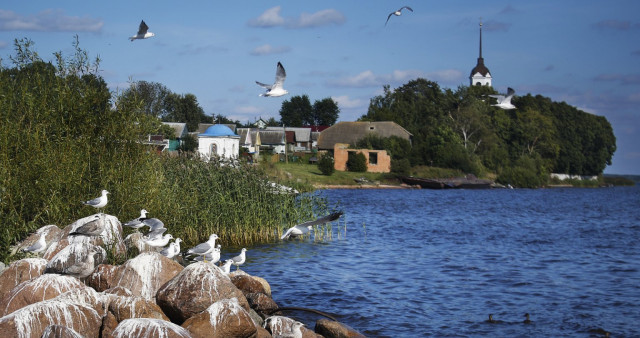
(77, 259)
(265, 285)
(148, 327)
(134, 240)
(261, 302)
(32, 320)
(280, 326)
(87, 296)
(20, 271)
(119, 291)
(332, 329)
(124, 308)
(59, 331)
(247, 284)
(224, 318)
(45, 287)
(146, 273)
(110, 237)
(193, 290)
(51, 235)
(103, 277)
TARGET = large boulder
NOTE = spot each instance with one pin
(124, 308)
(59, 331)
(20, 271)
(103, 277)
(45, 287)
(32, 320)
(146, 273)
(224, 318)
(110, 236)
(134, 240)
(148, 327)
(332, 329)
(51, 235)
(77, 259)
(193, 290)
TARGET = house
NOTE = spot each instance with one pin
(180, 131)
(303, 141)
(378, 161)
(352, 132)
(218, 140)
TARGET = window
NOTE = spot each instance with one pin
(373, 158)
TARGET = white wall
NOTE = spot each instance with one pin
(225, 147)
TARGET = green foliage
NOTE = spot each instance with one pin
(299, 112)
(325, 113)
(326, 165)
(189, 143)
(185, 108)
(401, 167)
(396, 147)
(525, 173)
(357, 162)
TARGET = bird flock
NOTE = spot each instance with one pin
(156, 238)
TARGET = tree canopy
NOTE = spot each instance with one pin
(299, 112)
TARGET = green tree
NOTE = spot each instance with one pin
(325, 113)
(152, 97)
(326, 165)
(185, 108)
(357, 162)
(296, 112)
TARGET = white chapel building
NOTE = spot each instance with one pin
(218, 140)
(480, 75)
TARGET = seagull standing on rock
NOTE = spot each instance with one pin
(172, 250)
(226, 267)
(239, 259)
(38, 246)
(205, 248)
(137, 223)
(159, 241)
(143, 32)
(397, 13)
(98, 202)
(276, 88)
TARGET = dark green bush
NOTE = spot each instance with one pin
(357, 162)
(401, 167)
(326, 165)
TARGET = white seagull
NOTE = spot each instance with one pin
(304, 228)
(226, 267)
(397, 13)
(143, 32)
(172, 250)
(138, 223)
(212, 257)
(276, 88)
(159, 241)
(239, 259)
(38, 246)
(504, 102)
(204, 248)
(98, 202)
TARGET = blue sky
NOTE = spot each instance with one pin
(586, 53)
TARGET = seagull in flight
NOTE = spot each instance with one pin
(397, 13)
(276, 88)
(98, 202)
(143, 32)
(504, 102)
(304, 228)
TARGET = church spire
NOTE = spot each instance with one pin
(480, 74)
(480, 38)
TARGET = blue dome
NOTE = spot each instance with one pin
(218, 130)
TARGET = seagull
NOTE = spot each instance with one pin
(91, 228)
(276, 88)
(38, 246)
(226, 267)
(239, 259)
(142, 32)
(172, 250)
(138, 223)
(296, 331)
(155, 234)
(159, 241)
(98, 202)
(504, 102)
(397, 13)
(304, 228)
(212, 257)
(204, 248)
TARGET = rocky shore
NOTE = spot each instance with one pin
(71, 292)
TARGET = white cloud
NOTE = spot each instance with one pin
(268, 49)
(49, 20)
(272, 18)
(346, 102)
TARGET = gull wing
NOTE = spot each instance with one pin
(200, 249)
(389, 17)
(94, 201)
(330, 218)
(153, 223)
(500, 98)
(142, 30)
(288, 233)
(407, 7)
(281, 75)
(264, 85)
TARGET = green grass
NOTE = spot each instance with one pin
(309, 176)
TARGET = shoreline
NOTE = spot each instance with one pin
(361, 186)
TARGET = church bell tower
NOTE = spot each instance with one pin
(480, 75)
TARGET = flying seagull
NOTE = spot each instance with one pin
(397, 13)
(304, 228)
(504, 102)
(38, 246)
(204, 248)
(142, 32)
(239, 259)
(138, 223)
(98, 202)
(276, 88)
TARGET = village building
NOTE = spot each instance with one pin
(480, 75)
(352, 132)
(378, 161)
(180, 132)
(218, 140)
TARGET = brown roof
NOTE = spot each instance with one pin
(480, 68)
(351, 132)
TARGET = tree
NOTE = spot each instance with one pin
(325, 113)
(185, 108)
(357, 162)
(296, 112)
(326, 165)
(152, 96)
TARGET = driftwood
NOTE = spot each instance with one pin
(296, 308)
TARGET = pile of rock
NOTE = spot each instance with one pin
(71, 292)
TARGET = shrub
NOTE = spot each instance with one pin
(401, 167)
(357, 162)
(326, 165)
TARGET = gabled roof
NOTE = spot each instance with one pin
(271, 137)
(352, 132)
(179, 128)
(302, 134)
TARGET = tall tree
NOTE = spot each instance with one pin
(325, 112)
(296, 112)
(152, 96)
(185, 108)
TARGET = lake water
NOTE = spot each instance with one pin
(407, 263)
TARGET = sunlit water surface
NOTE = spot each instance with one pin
(407, 263)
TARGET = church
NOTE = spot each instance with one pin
(480, 75)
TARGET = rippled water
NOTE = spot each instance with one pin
(406, 263)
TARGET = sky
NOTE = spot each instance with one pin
(585, 53)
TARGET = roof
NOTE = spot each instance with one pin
(271, 137)
(302, 134)
(218, 130)
(480, 68)
(352, 132)
(202, 127)
(179, 128)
